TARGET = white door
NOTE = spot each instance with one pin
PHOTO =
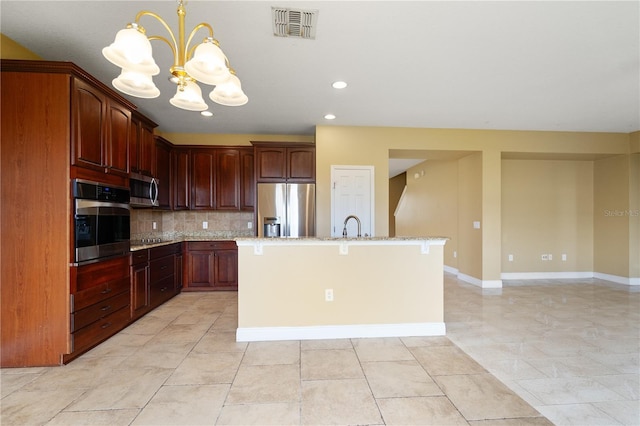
(352, 194)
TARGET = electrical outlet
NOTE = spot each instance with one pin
(249, 225)
(510, 258)
(328, 295)
(550, 256)
(545, 257)
(154, 225)
(476, 224)
(564, 257)
(455, 254)
(205, 225)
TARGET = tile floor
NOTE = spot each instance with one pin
(568, 349)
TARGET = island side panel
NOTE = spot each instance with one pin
(372, 284)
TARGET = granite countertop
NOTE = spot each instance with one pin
(336, 240)
(146, 242)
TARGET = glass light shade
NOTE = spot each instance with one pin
(229, 93)
(136, 84)
(208, 65)
(190, 98)
(132, 50)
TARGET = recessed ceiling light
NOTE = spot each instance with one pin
(330, 117)
(339, 85)
(207, 113)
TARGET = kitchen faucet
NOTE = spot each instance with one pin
(344, 230)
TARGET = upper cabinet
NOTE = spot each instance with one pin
(100, 130)
(163, 172)
(275, 162)
(142, 147)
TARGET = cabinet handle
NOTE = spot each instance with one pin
(163, 289)
(164, 267)
(106, 291)
(103, 326)
(105, 308)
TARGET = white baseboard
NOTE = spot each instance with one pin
(450, 269)
(617, 279)
(544, 275)
(258, 334)
(480, 283)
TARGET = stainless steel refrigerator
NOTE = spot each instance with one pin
(286, 209)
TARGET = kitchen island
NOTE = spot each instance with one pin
(328, 288)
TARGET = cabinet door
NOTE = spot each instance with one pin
(178, 275)
(139, 289)
(227, 179)
(201, 268)
(119, 123)
(226, 269)
(89, 110)
(271, 165)
(181, 184)
(163, 158)
(202, 179)
(301, 164)
(247, 180)
(134, 145)
(147, 160)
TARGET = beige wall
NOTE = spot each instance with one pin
(9, 49)
(430, 206)
(547, 208)
(634, 215)
(396, 186)
(611, 215)
(370, 146)
(470, 252)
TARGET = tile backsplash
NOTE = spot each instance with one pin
(188, 223)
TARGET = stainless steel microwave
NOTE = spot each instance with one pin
(144, 191)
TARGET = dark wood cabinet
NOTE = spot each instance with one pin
(284, 162)
(58, 123)
(142, 149)
(163, 173)
(180, 179)
(247, 180)
(202, 179)
(155, 273)
(211, 265)
(100, 130)
(227, 179)
(100, 302)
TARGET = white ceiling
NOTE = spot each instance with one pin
(548, 65)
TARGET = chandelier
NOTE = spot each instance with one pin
(205, 63)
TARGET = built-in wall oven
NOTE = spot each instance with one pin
(102, 214)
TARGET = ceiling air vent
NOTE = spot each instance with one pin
(294, 22)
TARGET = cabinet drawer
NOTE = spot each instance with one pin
(102, 272)
(162, 251)
(100, 330)
(161, 268)
(211, 245)
(90, 296)
(139, 256)
(162, 290)
(92, 313)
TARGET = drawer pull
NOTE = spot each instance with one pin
(106, 291)
(105, 308)
(103, 326)
(164, 267)
(163, 289)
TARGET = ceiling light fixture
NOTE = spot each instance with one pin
(339, 85)
(330, 117)
(205, 63)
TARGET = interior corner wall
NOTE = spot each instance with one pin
(396, 187)
(9, 49)
(634, 215)
(430, 206)
(547, 208)
(470, 211)
(612, 216)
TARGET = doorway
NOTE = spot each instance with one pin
(352, 193)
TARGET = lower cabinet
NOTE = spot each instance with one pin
(156, 276)
(211, 265)
(100, 302)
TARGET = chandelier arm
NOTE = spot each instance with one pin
(189, 52)
(174, 47)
